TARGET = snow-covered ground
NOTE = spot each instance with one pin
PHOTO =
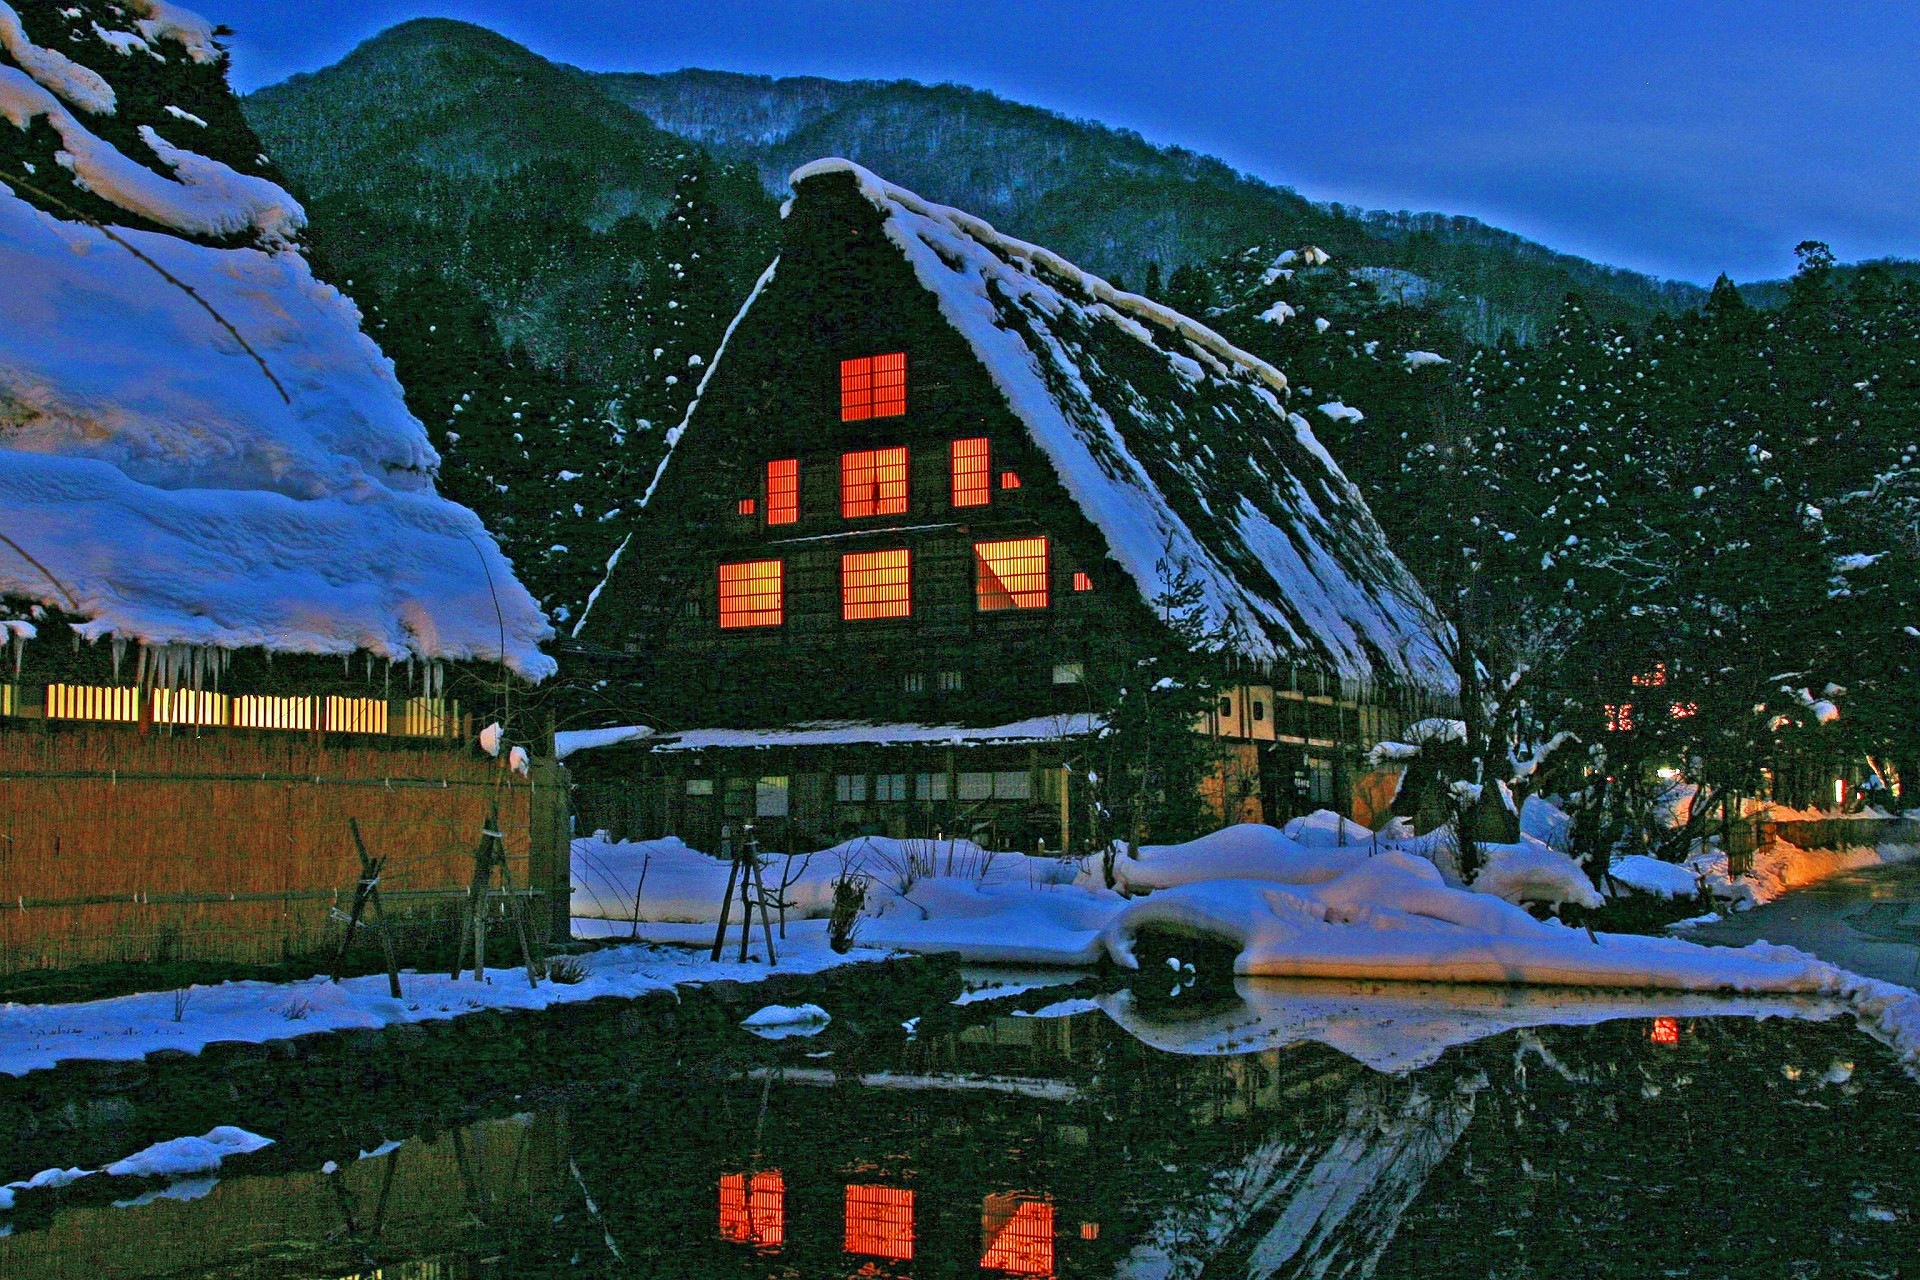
(1779, 867)
(34, 1036)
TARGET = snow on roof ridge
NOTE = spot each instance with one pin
(53, 70)
(878, 189)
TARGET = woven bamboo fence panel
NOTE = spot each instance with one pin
(122, 846)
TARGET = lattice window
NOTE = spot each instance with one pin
(269, 711)
(92, 702)
(746, 506)
(1009, 480)
(880, 1222)
(1016, 1235)
(430, 718)
(754, 1211)
(890, 786)
(752, 594)
(873, 387)
(356, 715)
(873, 482)
(1012, 575)
(876, 584)
(971, 473)
(1619, 717)
(783, 491)
(1081, 580)
(199, 707)
(850, 788)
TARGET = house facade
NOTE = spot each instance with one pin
(939, 494)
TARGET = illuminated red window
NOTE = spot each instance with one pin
(1619, 717)
(746, 506)
(1081, 582)
(1009, 480)
(1016, 1236)
(880, 1222)
(1666, 1031)
(970, 472)
(751, 594)
(783, 491)
(873, 387)
(876, 584)
(1089, 1231)
(1012, 575)
(873, 482)
(754, 1211)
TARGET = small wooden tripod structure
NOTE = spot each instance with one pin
(366, 894)
(489, 854)
(745, 872)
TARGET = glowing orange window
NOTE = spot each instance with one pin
(1081, 582)
(873, 482)
(1009, 479)
(783, 491)
(754, 1212)
(751, 594)
(876, 584)
(1666, 1031)
(1619, 717)
(970, 473)
(1012, 575)
(1016, 1235)
(880, 1222)
(746, 506)
(873, 387)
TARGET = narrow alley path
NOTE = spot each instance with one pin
(1866, 920)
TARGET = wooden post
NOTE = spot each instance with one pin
(726, 900)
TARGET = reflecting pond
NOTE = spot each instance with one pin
(1275, 1130)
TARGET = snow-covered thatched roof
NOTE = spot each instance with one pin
(1177, 445)
(171, 479)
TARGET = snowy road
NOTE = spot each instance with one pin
(1866, 920)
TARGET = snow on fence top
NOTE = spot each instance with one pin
(174, 484)
(1177, 444)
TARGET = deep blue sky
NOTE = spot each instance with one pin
(1673, 137)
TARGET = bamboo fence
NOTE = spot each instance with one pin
(122, 846)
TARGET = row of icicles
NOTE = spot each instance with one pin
(199, 666)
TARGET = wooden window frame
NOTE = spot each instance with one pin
(876, 585)
(745, 607)
(873, 387)
(783, 491)
(971, 467)
(1012, 574)
(874, 482)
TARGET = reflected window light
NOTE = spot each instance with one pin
(1016, 1235)
(879, 1222)
(1666, 1031)
(754, 1211)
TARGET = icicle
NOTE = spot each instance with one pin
(386, 685)
(346, 664)
(140, 666)
(119, 654)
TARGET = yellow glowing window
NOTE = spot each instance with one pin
(746, 506)
(266, 711)
(1009, 480)
(783, 491)
(754, 1211)
(970, 473)
(202, 707)
(873, 387)
(429, 718)
(752, 595)
(92, 702)
(356, 715)
(876, 584)
(1016, 1236)
(880, 1222)
(873, 482)
(1081, 582)
(1012, 575)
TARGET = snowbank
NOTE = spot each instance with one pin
(1532, 872)
(572, 740)
(1779, 867)
(995, 923)
(33, 1037)
(1325, 829)
(178, 1157)
(1394, 918)
(1245, 851)
(1647, 875)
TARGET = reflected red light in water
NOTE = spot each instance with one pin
(1666, 1031)
(880, 1222)
(1016, 1235)
(754, 1211)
